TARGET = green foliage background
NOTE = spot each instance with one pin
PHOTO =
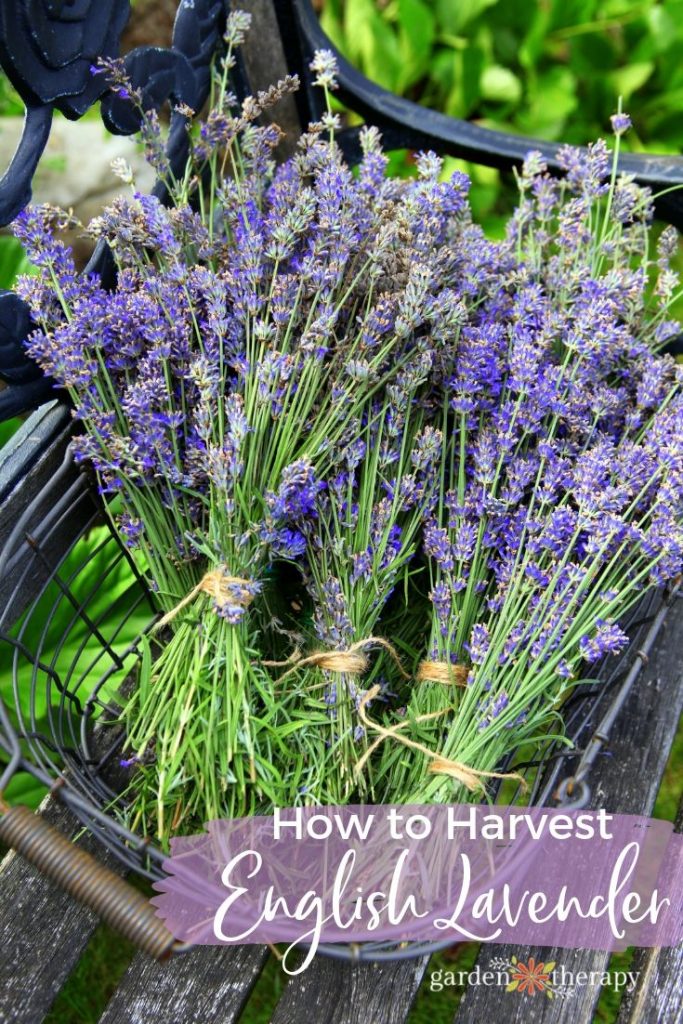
(552, 69)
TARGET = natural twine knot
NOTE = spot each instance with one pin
(353, 663)
(350, 661)
(442, 672)
(471, 778)
(224, 589)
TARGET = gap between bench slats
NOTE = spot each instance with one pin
(626, 783)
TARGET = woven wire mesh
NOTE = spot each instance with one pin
(69, 635)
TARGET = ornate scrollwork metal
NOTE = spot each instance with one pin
(28, 385)
(48, 49)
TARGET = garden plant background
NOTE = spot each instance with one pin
(550, 69)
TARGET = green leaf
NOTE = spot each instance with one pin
(472, 67)
(370, 44)
(13, 261)
(500, 85)
(592, 55)
(415, 40)
(442, 79)
(10, 102)
(532, 47)
(331, 22)
(662, 28)
(8, 429)
(553, 99)
(24, 789)
(464, 93)
(613, 10)
(454, 15)
(565, 13)
(626, 81)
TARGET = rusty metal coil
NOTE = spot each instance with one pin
(84, 878)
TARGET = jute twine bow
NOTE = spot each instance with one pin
(224, 589)
(350, 661)
(428, 672)
(471, 778)
(442, 672)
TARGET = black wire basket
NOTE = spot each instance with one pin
(69, 635)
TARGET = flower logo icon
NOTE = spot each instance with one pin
(531, 977)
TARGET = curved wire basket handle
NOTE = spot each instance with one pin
(79, 874)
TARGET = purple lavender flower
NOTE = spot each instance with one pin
(131, 529)
(441, 599)
(332, 623)
(297, 496)
(491, 708)
(620, 123)
(608, 638)
(438, 547)
(340, 370)
(128, 762)
(478, 643)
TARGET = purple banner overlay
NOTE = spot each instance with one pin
(532, 876)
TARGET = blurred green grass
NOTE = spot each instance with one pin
(550, 69)
(547, 68)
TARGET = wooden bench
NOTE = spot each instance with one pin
(43, 933)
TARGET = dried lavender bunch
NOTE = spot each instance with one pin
(360, 530)
(563, 498)
(247, 332)
(360, 537)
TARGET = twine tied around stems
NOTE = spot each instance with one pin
(224, 589)
(350, 661)
(442, 672)
(471, 778)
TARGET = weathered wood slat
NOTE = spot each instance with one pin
(43, 932)
(208, 985)
(658, 996)
(629, 779)
(341, 993)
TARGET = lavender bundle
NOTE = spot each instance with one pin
(360, 543)
(309, 371)
(563, 497)
(240, 344)
(362, 528)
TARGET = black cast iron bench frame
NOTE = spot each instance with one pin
(43, 933)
